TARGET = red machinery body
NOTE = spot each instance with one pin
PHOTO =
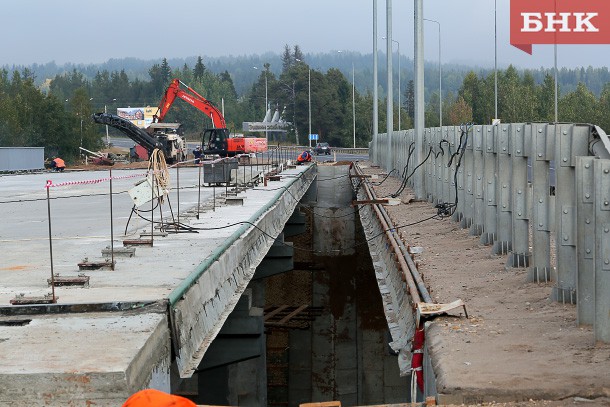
(218, 141)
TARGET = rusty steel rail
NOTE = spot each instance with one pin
(415, 284)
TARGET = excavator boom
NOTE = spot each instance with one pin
(192, 97)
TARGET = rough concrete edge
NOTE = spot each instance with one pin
(138, 374)
(192, 359)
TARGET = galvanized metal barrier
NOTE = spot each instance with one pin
(534, 192)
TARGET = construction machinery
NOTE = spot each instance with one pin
(216, 140)
(163, 136)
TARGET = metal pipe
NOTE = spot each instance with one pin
(406, 270)
(50, 239)
(111, 226)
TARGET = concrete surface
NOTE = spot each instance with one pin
(64, 355)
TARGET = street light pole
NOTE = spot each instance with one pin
(309, 101)
(440, 74)
(496, 56)
(266, 108)
(399, 105)
(354, 101)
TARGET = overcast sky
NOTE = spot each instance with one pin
(84, 31)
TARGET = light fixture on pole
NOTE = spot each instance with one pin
(353, 99)
(266, 105)
(399, 105)
(440, 74)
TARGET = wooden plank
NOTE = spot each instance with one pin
(292, 314)
(275, 312)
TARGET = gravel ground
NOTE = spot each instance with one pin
(517, 347)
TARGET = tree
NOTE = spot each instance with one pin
(546, 99)
(199, 69)
(286, 58)
(460, 112)
(579, 106)
(297, 55)
(165, 70)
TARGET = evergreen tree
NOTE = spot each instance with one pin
(199, 69)
(298, 54)
(165, 71)
(286, 58)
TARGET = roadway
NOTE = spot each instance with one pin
(124, 142)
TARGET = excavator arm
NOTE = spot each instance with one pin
(134, 132)
(192, 97)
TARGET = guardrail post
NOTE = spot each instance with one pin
(448, 189)
(570, 141)
(436, 138)
(411, 139)
(460, 178)
(504, 239)
(476, 229)
(602, 250)
(489, 181)
(542, 153)
(468, 165)
(431, 184)
(520, 138)
(585, 244)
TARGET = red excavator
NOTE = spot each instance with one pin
(216, 140)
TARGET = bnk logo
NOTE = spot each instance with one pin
(559, 22)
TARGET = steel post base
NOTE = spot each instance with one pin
(488, 239)
(502, 247)
(564, 295)
(518, 260)
(539, 275)
(476, 230)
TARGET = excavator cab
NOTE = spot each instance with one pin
(216, 142)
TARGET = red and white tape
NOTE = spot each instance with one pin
(50, 183)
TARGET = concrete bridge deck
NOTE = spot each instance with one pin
(171, 298)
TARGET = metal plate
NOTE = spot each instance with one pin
(517, 137)
(568, 226)
(605, 247)
(502, 137)
(539, 134)
(565, 145)
(603, 178)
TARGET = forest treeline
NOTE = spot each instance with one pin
(56, 112)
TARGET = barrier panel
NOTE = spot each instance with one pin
(537, 192)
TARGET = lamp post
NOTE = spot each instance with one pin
(353, 99)
(266, 105)
(440, 74)
(399, 105)
(496, 57)
(309, 102)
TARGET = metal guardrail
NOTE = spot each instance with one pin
(500, 185)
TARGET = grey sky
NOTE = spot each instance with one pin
(83, 31)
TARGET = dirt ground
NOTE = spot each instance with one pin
(517, 347)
